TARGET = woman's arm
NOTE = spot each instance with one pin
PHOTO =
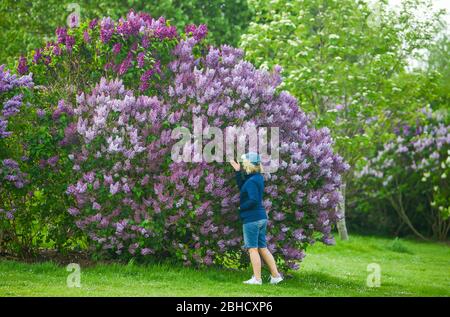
(237, 168)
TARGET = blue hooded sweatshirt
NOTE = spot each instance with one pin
(251, 189)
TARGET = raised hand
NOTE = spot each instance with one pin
(235, 165)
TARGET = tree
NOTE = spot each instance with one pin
(439, 65)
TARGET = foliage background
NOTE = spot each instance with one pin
(27, 25)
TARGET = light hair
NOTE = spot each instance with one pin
(249, 167)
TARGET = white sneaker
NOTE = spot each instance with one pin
(275, 280)
(253, 281)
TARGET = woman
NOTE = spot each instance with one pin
(254, 216)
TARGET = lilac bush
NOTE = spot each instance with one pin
(131, 83)
(133, 200)
(412, 171)
(41, 136)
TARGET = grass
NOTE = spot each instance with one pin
(408, 268)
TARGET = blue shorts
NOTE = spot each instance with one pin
(255, 234)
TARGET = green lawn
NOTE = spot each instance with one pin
(408, 268)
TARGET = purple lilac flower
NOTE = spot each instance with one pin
(62, 107)
(93, 23)
(47, 59)
(126, 64)
(73, 211)
(70, 42)
(208, 260)
(190, 28)
(299, 234)
(145, 41)
(11, 164)
(163, 32)
(11, 106)
(86, 37)
(339, 107)
(40, 113)
(146, 251)
(61, 34)
(145, 78)
(22, 67)
(52, 161)
(106, 29)
(201, 32)
(329, 240)
(198, 33)
(37, 55)
(116, 48)
(70, 134)
(3, 127)
(9, 82)
(140, 59)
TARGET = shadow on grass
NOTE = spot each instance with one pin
(305, 280)
(320, 279)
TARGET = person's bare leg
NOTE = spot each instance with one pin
(256, 262)
(270, 261)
